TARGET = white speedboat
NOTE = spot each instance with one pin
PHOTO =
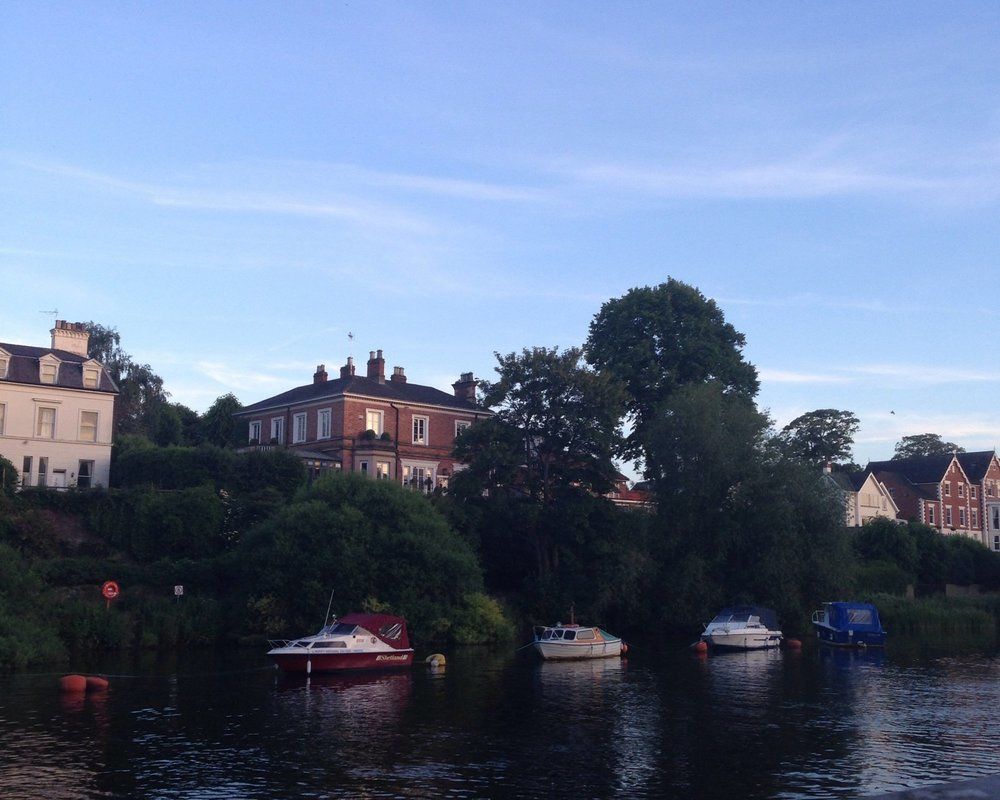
(743, 628)
(574, 641)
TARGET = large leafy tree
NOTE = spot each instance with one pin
(656, 340)
(924, 444)
(820, 437)
(220, 427)
(141, 396)
(565, 416)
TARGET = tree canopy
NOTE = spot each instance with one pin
(141, 397)
(564, 417)
(924, 444)
(822, 436)
(655, 340)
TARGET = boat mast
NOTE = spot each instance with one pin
(329, 605)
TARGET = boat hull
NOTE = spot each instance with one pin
(849, 638)
(308, 664)
(568, 651)
(742, 641)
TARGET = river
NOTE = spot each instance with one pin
(818, 723)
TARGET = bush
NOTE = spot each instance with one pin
(480, 620)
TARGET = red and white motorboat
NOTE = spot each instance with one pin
(355, 641)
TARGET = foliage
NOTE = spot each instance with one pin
(924, 444)
(8, 476)
(937, 616)
(565, 417)
(883, 539)
(656, 340)
(218, 425)
(820, 437)
(141, 396)
(370, 541)
(480, 620)
(26, 635)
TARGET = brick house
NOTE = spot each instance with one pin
(983, 471)
(934, 490)
(56, 411)
(389, 429)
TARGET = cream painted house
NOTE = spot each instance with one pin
(56, 411)
(865, 497)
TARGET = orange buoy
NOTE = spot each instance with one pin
(96, 684)
(75, 684)
(700, 647)
(793, 644)
(624, 649)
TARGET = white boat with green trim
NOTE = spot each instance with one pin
(576, 641)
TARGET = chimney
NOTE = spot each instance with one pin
(347, 371)
(71, 337)
(398, 376)
(828, 468)
(465, 388)
(320, 375)
(376, 366)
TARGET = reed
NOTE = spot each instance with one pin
(940, 616)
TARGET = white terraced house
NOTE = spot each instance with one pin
(56, 411)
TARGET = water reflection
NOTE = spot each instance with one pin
(822, 723)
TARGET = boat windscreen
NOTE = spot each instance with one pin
(729, 616)
(343, 629)
(859, 616)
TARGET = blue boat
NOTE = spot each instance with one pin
(849, 625)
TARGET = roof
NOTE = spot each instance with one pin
(976, 464)
(364, 387)
(849, 481)
(23, 368)
(889, 477)
(919, 469)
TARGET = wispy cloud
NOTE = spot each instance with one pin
(790, 376)
(234, 377)
(927, 374)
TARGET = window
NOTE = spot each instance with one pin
(975, 518)
(323, 424)
(961, 517)
(972, 492)
(991, 489)
(255, 432)
(48, 371)
(382, 470)
(85, 474)
(4, 362)
(298, 428)
(947, 488)
(91, 377)
(930, 515)
(373, 421)
(961, 490)
(462, 425)
(420, 478)
(363, 466)
(3, 417)
(420, 430)
(26, 471)
(88, 426)
(278, 430)
(43, 470)
(996, 543)
(45, 425)
(947, 515)
(996, 513)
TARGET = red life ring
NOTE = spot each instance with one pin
(110, 590)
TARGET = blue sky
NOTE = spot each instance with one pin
(236, 186)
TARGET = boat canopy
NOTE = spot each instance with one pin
(853, 616)
(743, 614)
(390, 629)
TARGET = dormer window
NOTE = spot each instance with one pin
(91, 375)
(4, 363)
(48, 369)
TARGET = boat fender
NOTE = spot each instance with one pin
(700, 647)
(624, 649)
(96, 684)
(793, 644)
(73, 684)
(435, 660)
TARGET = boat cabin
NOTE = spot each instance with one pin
(568, 633)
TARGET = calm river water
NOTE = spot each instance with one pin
(666, 724)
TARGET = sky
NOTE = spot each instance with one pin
(237, 187)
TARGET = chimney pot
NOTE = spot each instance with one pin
(398, 375)
(320, 375)
(376, 366)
